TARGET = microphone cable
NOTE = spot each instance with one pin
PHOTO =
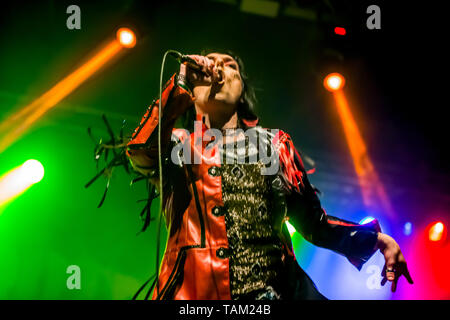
(158, 231)
(175, 54)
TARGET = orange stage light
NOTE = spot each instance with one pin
(126, 37)
(334, 81)
(373, 192)
(437, 232)
(19, 123)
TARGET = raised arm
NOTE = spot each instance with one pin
(142, 149)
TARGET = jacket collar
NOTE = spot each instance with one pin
(246, 123)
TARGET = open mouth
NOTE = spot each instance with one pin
(221, 76)
(217, 84)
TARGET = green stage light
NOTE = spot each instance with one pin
(32, 171)
(18, 180)
(291, 228)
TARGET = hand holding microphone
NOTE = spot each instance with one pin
(197, 69)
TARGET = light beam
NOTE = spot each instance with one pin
(373, 192)
(16, 125)
(18, 180)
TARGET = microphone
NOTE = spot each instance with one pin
(182, 58)
(216, 76)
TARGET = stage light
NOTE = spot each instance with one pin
(437, 232)
(126, 37)
(407, 228)
(372, 189)
(340, 31)
(33, 171)
(18, 123)
(18, 180)
(366, 220)
(291, 228)
(334, 82)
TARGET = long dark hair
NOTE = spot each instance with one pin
(247, 102)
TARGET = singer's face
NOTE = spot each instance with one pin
(223, 94)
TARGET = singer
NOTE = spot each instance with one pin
(226, 233)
